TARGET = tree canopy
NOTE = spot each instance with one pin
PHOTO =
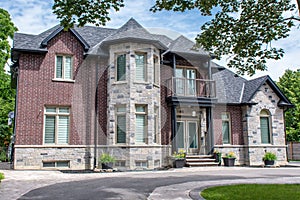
(241, 29)
(7, 95)
(289, 84)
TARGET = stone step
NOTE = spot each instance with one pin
(201, 164)
(200, 160)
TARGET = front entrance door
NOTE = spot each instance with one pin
(187, 136)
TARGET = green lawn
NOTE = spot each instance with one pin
(253, 192)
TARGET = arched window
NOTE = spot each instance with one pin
(265, 127)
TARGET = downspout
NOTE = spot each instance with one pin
(12, 156)
(211, 125)
(174, 114)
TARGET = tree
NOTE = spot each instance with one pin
(241, 29)
(289, 84)
(7, 95)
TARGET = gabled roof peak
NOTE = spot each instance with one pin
(131, 24)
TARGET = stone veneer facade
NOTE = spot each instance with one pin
(251, 150)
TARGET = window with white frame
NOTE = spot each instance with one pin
(63, 69)
(57, 125)
(156, 70)
(140, 66)
(121, 124)
(226, 128)
(156, 125)
(121, 67)
(141, 123)
(265, 127)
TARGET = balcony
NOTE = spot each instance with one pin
(199, 88)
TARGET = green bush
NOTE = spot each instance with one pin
(1, 176)
(269, 156)
(106, 158)
(3, 157)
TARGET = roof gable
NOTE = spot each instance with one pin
(252, 86)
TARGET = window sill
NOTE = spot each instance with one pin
(141, 82)
(156, 85)
(63, 80)
(119, 82)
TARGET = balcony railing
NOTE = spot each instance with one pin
(191, 87)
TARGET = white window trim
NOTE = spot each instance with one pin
(116, 67)
(63, 68)
(230, 131)
(145, 67)
(56, 114)
(116, 123)
(145, 114)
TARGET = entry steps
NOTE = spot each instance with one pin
(200, 160)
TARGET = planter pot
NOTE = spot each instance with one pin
(179, 163)
(217, 157)
(269, 162)
(107, 165)
(229, 161)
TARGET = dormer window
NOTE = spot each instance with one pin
(63, 69)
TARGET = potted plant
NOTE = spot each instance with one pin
(107, 161)
(229, 159)
(179, 157)
(218, 156)
(269, 158)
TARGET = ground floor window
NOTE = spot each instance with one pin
(121, 124)
(141, 123)
(226, 129)
(265, 127)
(56, 125)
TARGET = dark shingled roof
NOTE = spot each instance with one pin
(251, 88)
(182, 45)
(229, 86)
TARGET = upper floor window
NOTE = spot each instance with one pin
(56, 125)
(64, 67)
(265, 127)
(156, 125)
(156, 70)
(141, 123)
(140, 63)
(121, 67)
(226, 130)
(121, 124)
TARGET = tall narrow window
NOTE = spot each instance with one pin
(63, 67)
(156, 70)
(156, 125)
(226, 130)
(121, 124)
(141, 124)
(57, 125)
(140, 71)
(265, 127)
(121, 67)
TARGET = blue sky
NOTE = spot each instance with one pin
(35, 16)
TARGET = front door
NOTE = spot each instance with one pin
(187, 136)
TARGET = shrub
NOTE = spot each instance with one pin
(230, 155)
(1, 176)
(269, 156)
(106, 158)
(180, 155)
(3, 157)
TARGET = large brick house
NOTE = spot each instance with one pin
(137, 96)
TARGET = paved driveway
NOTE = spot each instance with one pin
(171, 184)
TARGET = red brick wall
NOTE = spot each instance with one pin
(236, 124)
(36, 89)
(165, 74)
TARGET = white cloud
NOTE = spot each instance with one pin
(35, 16)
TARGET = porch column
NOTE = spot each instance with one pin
(174, 127)
(210, 130)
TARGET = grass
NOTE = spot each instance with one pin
(1, 176)
(253, 191)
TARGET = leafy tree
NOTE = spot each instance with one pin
(240, 29)
(7, 95)
(289, 84)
